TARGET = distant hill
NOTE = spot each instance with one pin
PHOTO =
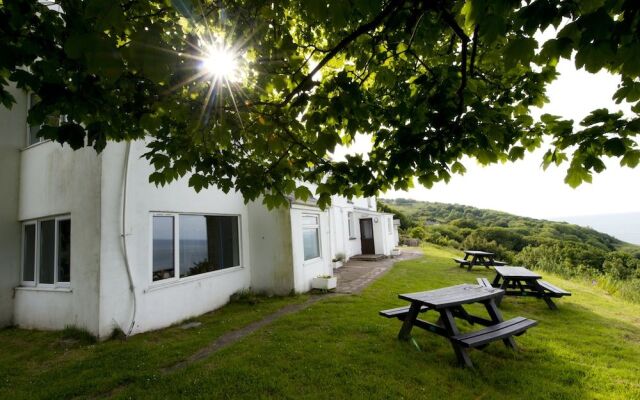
(452, 225)
(559, 247)
(625, 226)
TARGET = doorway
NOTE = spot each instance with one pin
(366, 236)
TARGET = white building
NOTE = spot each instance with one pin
(86, 241)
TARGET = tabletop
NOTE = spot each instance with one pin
(453, 295)
(478, 253)
(516, 272)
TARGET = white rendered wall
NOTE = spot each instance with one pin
(271, 256)
(56, 180)
(159, 303)
(305, 271)
(13, 133)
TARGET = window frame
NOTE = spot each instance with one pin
(36, 260)
(176, 249)
(351, 225)
(315, 226)
(390, 225)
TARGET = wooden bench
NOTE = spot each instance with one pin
(463, 263)
(399, 312)
(552, 289)
(503, 330)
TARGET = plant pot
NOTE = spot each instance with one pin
(395, 252)
(324, 283)
(337, 264)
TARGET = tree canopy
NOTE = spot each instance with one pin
(430, 80)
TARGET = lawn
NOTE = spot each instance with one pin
(339, 348)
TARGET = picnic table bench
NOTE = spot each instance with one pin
(448, 303)
(477, 257)
(519, 281)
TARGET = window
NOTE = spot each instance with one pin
(51, 120)
(46, 252)
(390, 225)
(311, 236)
(186, 245)
(369, 202)
(352, 226)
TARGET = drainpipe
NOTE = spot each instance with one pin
(125, 253)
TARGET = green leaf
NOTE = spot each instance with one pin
(303, 193)
(615, 147)
(519, 50)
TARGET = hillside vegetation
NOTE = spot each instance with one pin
(566, 249)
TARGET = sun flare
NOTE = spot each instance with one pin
(221, 63)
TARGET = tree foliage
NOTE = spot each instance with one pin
(432, 81)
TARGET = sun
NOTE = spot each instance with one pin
(220, 63)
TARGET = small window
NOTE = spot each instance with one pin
(163, 248)
(311, 236)
(390, 225)
(369, 202)
(352, 225)
(186, 245)
(29, 253)
(46, 252)
(64, 250)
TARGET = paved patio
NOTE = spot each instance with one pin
(355, 275)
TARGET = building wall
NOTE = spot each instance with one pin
(55, 180)
(161, 303)
(271, 255)
(305, 271)
(13, 132)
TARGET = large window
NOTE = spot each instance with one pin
(46, 252)
(186, 245)
(352, 225)
(311, 236)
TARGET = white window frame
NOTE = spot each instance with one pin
(351, 223)
(315, 226)
(176, 249)
(390, 225)
(36, 265)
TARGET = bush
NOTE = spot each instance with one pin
(620, 266)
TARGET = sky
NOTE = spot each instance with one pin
(523, 188)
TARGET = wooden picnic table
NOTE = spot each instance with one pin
(519, 281)
(477, 257)
(448, 302)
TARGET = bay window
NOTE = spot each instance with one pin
(46, 252)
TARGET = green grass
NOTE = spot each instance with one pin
(339, 348)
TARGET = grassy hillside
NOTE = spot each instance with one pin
(566, 249)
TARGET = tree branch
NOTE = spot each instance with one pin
(362, 29)
(474, 50)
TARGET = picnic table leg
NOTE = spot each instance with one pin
(409, 319)
(549, 302)
(450, 325)
(472, 262)
(496, 281)
(496, 316)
